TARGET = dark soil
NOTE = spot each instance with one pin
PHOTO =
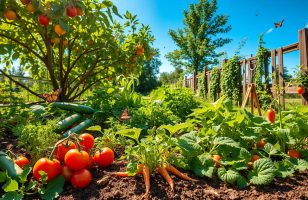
(111, 187)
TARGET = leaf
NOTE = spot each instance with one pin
(176, 128)
(298, 164)
(270, 149)
(226, 141)
(3, 177)
(284, 169)
(53, 188)
(203, 165)
(132, 168)
(132, 133)
(189, 144)
(12, 196)
(263, 172)
(228, 176)
(10, 186)
(95, 128)
(23, 176)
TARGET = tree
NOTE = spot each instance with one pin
(199, 38)
(168, 78)
(148, 79)
(79, 44)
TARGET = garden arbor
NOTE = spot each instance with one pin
(76, 44)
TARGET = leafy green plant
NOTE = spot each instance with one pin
(37, 137)
(215, 83)
(201, 85)
(231, 79)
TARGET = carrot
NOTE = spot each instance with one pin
(146, 176)
(176, 172)
(125, 174)
(162, 171)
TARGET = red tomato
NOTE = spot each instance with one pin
(294, 154)
(43, 20)
(90, 163)
(300, 90)
(104, 157)
(87, 141)
(52, 168)
(254, 158)
(67, 173)
(76, 160)
(270, 115)
(216, 159)
(71, 11)
(21, 161)
(62, 149)
(81, 178)
(25, 2)
(260, 144)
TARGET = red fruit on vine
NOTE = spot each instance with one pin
(71, 11)
(43, 20)
(300, 90)
(270, 115)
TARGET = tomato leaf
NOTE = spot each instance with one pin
(132, 133)
(10, 186)
(189, 144)
(176, 128)
(3, 177)
(298, 164)
(263, 172)
(95, 128)
(228, 176)
(284, 169)
(203, 165)
(53, 188)
(12, 195)
(23, 176)
(225, 141)
(270, 149)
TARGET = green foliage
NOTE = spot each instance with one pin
(231, 79)
(37, 137)
(199, 38)
(180, 101)
(215, 83)
(263, 172)
(201, 85)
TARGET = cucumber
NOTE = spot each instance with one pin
(74, 107)
(67, 122)
(7, 164)
(79, 128)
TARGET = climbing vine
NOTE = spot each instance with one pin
(201, 85)
(215, 83)
(231, 79)
(262, 58)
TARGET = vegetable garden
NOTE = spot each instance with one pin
(119, 144)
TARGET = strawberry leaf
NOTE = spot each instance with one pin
(284, 169)
(263, 172)
(203, 165)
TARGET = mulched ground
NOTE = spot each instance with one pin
(133, 187)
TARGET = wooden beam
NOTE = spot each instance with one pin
(290, 48)
(303, 48)
(281, 81)
(274, 76)
(249, 72)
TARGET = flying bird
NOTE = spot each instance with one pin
(279, 24)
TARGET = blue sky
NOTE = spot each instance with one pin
(163, 15)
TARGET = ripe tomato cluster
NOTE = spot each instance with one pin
(74, 161)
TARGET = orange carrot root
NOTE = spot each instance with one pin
(146, 176)
(176, 172)
(162, 171)
(121, 174)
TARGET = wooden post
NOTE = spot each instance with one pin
(205, 81)
(185, 82)
(194, 85)
(273, 56)
(244, 77)
(303, 49)
(281, 81)
(249, 72)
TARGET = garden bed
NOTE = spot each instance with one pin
(112, 187)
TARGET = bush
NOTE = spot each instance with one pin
(37, 137)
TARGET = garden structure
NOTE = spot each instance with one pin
(247, 70)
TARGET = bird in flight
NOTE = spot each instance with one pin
(279, 24)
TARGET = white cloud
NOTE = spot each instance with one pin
(269, 30)
(306, 25)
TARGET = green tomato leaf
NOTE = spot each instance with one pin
(95, 128)
(176, 128)
(53, 188)
(203, 165)
(189, 144)
(298, 164)
(132, 133)
(23, 176)
(10, 186)
(226, 142)
(263, 172)
(270, 149)
(228, 176)
(284, 169)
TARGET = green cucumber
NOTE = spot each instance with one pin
(67, 122)
(79, 128)
(74, 107)
(7, 164)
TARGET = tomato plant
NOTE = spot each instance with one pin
(270, 115)
(81, 178)
(300, 90)
(76, 160)
(62, 149)
(294, 154)
(260, 144)
(67, 173)
(90, 162)
(52, 168)
(104, 157)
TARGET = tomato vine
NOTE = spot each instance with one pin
(215, 83)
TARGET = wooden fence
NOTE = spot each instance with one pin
(248, 65)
